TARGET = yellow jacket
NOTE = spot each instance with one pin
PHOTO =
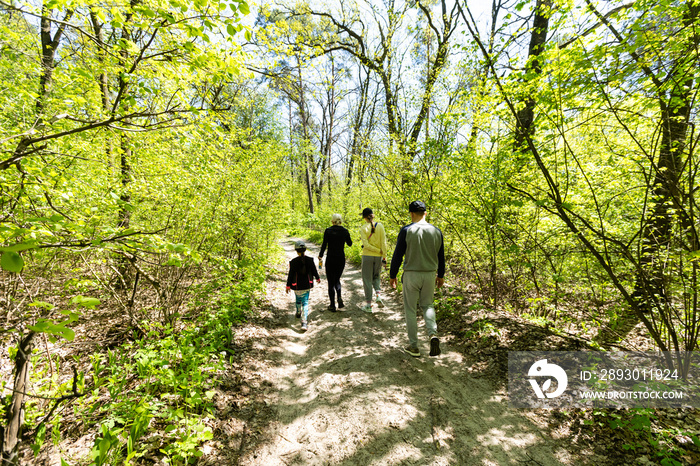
(373, 244)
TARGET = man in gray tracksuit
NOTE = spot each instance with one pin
(423, 269)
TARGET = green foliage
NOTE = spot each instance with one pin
(481, 329)
(11, 261)
(167, 380)
(641, 430)
(131, 189)
(448, 307)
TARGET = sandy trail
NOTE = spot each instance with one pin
(346, 394)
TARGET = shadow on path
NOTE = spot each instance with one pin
(346, 394)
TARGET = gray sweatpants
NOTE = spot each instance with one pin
(371, 268)
(419, 288)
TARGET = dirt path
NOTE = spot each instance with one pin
(346, 394)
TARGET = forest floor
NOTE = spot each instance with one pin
(345, 393)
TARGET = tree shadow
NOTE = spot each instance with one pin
(349, 395)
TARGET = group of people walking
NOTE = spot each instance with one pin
(419, 246)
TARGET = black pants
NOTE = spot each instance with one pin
(334, 269)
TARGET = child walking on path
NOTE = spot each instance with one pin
(302, 271)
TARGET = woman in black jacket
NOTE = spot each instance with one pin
(302, 271)
(335, 238)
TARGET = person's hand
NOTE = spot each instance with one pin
(287, 290)
(440, 282)
(392, 282)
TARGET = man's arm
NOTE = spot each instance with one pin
(399, 252)
(441, 258)
(440, 280)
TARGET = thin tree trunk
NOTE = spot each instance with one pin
(668, 201)
(524, 122)
(357, 124)
(305, 129)
(49, 45)
(11, 433)
(125, 155)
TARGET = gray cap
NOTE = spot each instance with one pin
(299, 246)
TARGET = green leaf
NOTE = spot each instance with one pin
(174, 261)
(243, 8)
(65, 332)
(41, 326)
(53, 329)
(83, 301)
(19, 247)
(42, 304)
(11, 262)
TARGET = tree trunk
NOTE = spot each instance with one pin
(125, 155)
(11, 433)
(49, 45)
(524, 122)
(305, 129)
(357, 124)
(668, 202)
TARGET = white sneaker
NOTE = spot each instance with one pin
(366, 307)
(380, 303)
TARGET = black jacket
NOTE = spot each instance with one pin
(335, 237)
(302, 271)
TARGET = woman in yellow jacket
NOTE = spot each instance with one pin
(374, 250)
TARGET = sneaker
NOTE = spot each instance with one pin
(366, 307)
(380, 303)
(340, 304)
(332, 308)
(304, 326)
(298, 314)
(434, 346)
(412, 350)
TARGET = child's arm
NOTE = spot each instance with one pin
(290, 277)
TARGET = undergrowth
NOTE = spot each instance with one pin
(152, 397)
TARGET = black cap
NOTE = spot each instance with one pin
(416, 206)
(366, 212)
